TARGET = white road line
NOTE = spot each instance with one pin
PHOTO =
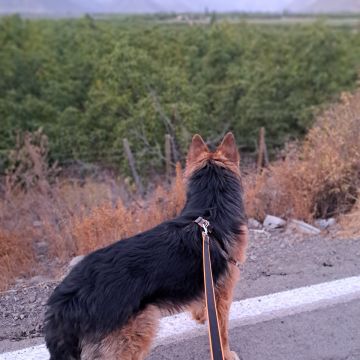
(250, 311)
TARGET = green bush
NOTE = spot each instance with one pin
(90, 83)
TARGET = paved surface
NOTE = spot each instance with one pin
(275, 263)
(328, 334)
(179, 332)
(286, 261)
(282, 261)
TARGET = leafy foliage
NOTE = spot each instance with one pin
(88, 84)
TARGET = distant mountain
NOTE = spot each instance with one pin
(325, 6)
(190, 5)
(43, 6)
(138, 6)
(77, 7)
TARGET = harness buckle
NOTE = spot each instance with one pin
(204, 224)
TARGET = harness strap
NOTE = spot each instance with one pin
(213, 322)
(201, 222)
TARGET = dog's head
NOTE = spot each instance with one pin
(226, 155)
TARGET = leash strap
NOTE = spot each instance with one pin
(213, 322)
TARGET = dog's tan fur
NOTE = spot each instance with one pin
(132, 342)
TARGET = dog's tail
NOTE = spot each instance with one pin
(63, 344)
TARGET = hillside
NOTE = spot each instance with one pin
(139, 6)
(78, 7)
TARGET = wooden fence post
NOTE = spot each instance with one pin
(263, 157)
(131, 161)
(168, 142)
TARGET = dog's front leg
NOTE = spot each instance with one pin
(225, 290)
(224, 297)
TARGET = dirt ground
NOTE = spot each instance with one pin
(277, 261)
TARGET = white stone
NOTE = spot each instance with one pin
(305, 228)
(325, 223)
(273, 222)
(254, 224)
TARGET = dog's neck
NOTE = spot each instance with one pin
(215, 193)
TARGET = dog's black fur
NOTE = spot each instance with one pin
(162, 266)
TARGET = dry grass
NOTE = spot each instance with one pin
(33, 217)
(320, 178)
(16, 256)
(74, 219)
(36, 206)
(109, 222)
(350, 223)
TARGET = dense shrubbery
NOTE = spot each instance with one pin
(90, 83)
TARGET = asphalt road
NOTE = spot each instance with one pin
(280, 262)
(324, 325)
(332, 333)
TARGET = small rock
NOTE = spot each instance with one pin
(325, 223)
(254, 224)
(252, 257)
(32, 298)
(37, 223)
(42, 244)
(305, 228)
(273, 222)
(22, 316)
(74, 261)
(38, 279)
(327, 264)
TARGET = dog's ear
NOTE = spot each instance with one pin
(229, 149)
(197, 147)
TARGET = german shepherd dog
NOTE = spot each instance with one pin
(110, 304)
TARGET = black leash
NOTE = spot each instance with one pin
(213, 323)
